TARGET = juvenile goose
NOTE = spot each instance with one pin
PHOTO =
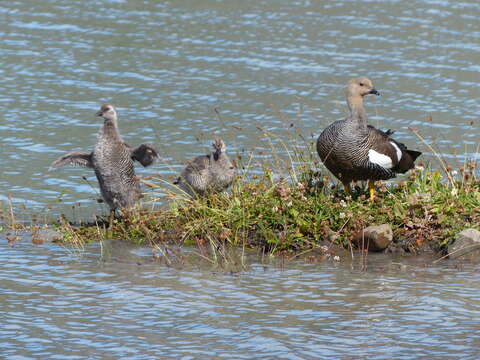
(112, 161)
(353, 150)
(212, 172)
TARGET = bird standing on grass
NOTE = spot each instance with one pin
(353, 150)
(208, 173)
(112, 160)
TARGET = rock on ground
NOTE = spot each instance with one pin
(466, 245)
(374, 238)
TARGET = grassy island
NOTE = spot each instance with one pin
(427, 209)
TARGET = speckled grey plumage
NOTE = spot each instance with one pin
(208, 173)
(344, 145)
(112, 161)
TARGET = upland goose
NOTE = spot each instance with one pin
(353, 150)
(208, 173)
(112, 160)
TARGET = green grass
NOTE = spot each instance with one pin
(296, 213)
(280, 215)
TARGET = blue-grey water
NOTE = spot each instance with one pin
(167, 65)
(280, 65)
(119, 302)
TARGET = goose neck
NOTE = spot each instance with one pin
(110, 128)
(357, 113)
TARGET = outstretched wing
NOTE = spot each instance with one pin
(145, 154)
(75, 158)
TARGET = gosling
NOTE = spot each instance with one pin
(208, 173)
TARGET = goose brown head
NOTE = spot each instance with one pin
(360, 87)
(108, 112)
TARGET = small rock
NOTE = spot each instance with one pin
(374, 238)
(466, 245)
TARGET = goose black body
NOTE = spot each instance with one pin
(353, 150)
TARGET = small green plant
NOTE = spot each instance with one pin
(288, 204)
(280, 215)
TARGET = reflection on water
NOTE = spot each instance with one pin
(125, 304)
(167, 65)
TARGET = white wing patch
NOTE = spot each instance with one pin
(397, 149)
(380, 159)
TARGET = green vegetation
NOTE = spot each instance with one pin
(428, 208)
(297, 213)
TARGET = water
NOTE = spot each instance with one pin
(167, 66)
(124, 304)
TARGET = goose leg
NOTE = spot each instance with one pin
(371, 189)
(347, 188)
(111, 218)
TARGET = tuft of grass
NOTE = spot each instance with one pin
(279, 215)
(281, 202)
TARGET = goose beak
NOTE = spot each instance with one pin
(374, 92)
(99, 113)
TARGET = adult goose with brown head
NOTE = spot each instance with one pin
(112, 160)
(353, 150)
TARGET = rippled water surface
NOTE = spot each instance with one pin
(167, 65)
(281, 65)
(118, 302)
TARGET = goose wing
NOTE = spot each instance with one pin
(389, 153)
(75, 158)
(407, 160)
(381, 150)
(145, 154)
(380, 132)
